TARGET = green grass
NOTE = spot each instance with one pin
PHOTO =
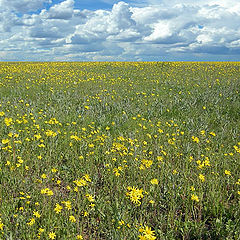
(122, 125)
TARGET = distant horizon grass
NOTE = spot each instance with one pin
(119, 150)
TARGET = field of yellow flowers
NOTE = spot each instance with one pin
(119, 151)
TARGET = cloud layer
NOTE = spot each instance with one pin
(148, 31)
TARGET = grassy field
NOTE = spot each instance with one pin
(119, 151)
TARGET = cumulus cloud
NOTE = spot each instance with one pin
(23, 6)
(114, 25)
(63, 10)
(147, 31)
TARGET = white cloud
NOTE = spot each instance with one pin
(63, 10)
(120, 18)
(127, 35)
(23, 6)
(162, 30)
(115, 25)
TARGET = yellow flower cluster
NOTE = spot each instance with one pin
(147, 234)
(135, 195)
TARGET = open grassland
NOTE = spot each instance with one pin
(119, 151)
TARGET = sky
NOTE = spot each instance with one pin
(130, 30)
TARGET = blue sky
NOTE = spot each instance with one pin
(88, 4)
(109, 30)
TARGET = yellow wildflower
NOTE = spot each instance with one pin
(72, 219)
(135, 195)
(52, 235)
(90, 198)
(44, 176)
(201, 177)
(31, 222)
(47, 191)
(36, 214)
(154, 181)
(80, 182)
(195, 198)
(227, 172)
(8, 121)
(146, 234)
(195, 139)
(1, 225)
(58, 208)
(5, 141)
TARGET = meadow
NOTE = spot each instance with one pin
(121, 151)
